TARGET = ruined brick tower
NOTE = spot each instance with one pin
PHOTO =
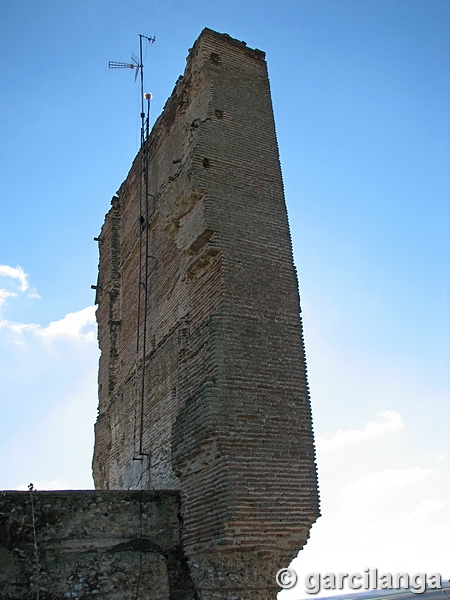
(202, 378)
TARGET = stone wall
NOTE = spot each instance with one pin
(86, 544)
(214, 401)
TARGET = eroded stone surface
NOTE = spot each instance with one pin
(88, 544)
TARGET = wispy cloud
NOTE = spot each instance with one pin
(5, 294)
(425, 508)
(15, 273)
(75, 325)
(394, 519)
(388, 480)
(17, 328)
(33, 293)
(387, 421)
(39, 486)
(65, 421)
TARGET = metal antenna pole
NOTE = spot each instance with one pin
(137, 64)
(142, 89)
(142, 304)
(141, 73)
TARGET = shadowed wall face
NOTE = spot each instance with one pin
(219, 408)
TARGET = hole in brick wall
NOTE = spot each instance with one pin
(218, 113)
(215, 58)
(206, 163)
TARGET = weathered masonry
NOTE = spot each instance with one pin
(202, 381)
(119, 545)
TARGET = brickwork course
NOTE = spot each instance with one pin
(202, 381)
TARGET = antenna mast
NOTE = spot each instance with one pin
(137, 64)
(143, 286)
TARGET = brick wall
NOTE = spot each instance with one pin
(225, 410)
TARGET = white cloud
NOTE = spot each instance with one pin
(39, 486)
(425, 508)
(72, 325)
(53, 449)
(389, 480)
(76, 325)
(15, 273)
(5, 294)
(33, 294)
(17, 327)
(388, 421)
(395, 519)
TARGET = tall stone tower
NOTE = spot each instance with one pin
(202, 378)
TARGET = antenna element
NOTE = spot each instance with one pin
(138, 64)
(143, 269)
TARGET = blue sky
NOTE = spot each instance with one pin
(360, 91)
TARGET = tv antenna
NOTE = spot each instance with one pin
(137, 65)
